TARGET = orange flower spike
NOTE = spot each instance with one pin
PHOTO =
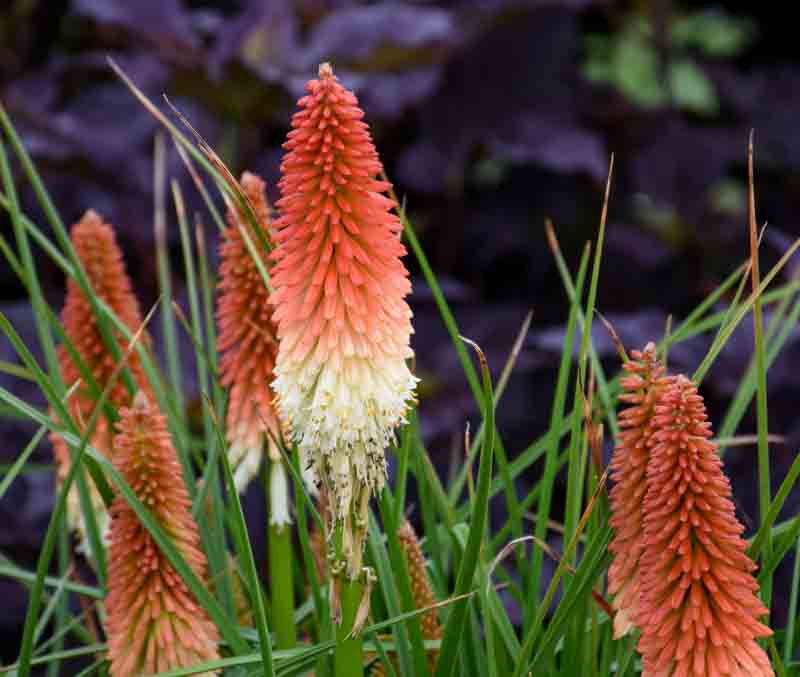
(420, 583)
(97, 249)
(698, 611)
(628, 466)
(422, 593)
(342, 383)
(247, 343)
(154, 623)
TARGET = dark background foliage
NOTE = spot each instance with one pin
(490, 116)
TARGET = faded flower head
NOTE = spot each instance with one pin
(628, 466)
(154, 623)
(342, 383)
(247, 342)
(97, 249)
(698, 609)
(422, 593)
(420, 583)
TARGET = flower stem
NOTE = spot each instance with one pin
(281, 577)
(280, 573)
(348, 656)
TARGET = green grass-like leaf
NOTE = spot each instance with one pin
(453, 633)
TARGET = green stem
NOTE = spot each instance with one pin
(281, 556)
(349, 652)
(280, 575)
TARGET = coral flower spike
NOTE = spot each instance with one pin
(628, 466)
(248, 343)
(154, 623)
(342, 383)
(96, 247)
(699, 611)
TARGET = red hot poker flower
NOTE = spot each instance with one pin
(97, 249)
(247, 342)
(422, 593)
(699, 611)
(340, 286)
(628, 466)
(420, 583)
(154, 623)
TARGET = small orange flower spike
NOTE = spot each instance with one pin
(422, 593)
(342, 383)
(628, 466)
(154, 623)
(247, 343)
(420, 583)
(97, 249)
(698, 610)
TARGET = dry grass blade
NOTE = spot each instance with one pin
(617, 341)
(243, 206)
(747, 440)
(513, 356)
(218, 167)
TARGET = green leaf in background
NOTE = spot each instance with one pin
(635, 69)
(691, 88)
(715, 33)
(630, 61)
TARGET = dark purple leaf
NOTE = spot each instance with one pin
(388, 94)
(355, 34)
(423, 167)
(263, 37)
(164, 22)
(489, 90)
(684, 178)
(551, 143)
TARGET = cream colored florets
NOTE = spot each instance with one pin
(343, 420)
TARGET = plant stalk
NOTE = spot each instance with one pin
(349, 653)
(280, 574)
(280, 559)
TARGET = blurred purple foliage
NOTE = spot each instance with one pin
(490, 115)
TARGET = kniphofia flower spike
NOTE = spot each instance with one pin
(342, 383)
(97, 249)
(247, 343)
(699, 613)
(154, 624)
(628, 468)
(422, 593)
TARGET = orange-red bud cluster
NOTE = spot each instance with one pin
(698, 610)
(628, 468)
(154, 623)
(247, 340)
(97, 249)
(681, 574)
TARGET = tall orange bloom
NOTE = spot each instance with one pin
(628, 466)
(342, 383)
(97, 249)
(247, 342)
(154, 623)
(699, 611)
